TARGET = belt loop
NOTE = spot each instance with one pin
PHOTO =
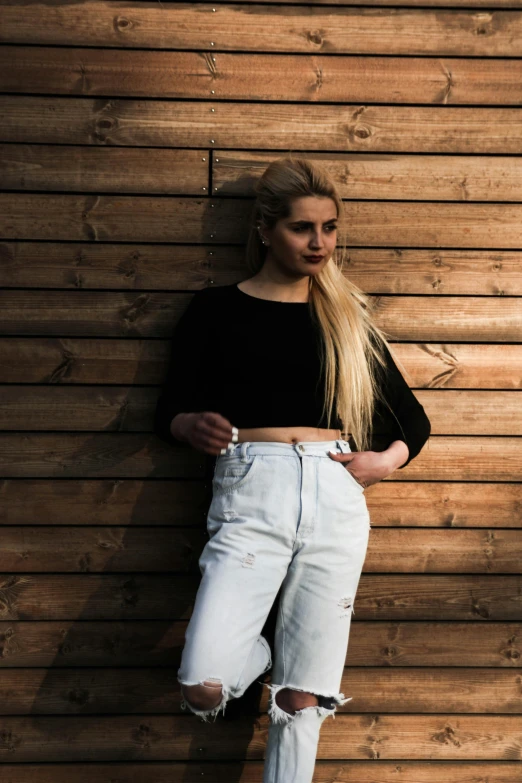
(244, 446)
(341, 444)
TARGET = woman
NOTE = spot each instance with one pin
(267, 376)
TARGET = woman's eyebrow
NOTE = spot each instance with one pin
(309, 222)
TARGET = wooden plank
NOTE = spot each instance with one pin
(159, 643)
(129, 690)
(166, 737)
(97, 549)
(141, 596)
(128, 409)
(444, 504)
(157, 219)
(114, 502)
(378, 176)
(462, 458)
(54, 167)
(72, 265)
(252, 771)
(267, 77)
(185, 503)
(293, 28)
(63, 361)
(140, 455)
(276, 126)
(459, 366)
(155, 314)
(472, 412)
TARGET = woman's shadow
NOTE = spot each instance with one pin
(164, 598)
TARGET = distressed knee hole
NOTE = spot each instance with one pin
(203, 697)
(291, 701)
(287, 702)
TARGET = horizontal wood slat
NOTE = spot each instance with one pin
(140, 455)
(146, 314)
(364, 175)
(151, 690)
(132, 549)
(185, 503)
(78, 265)
(264, 28)
(127, 409)
(142, 596)
(223, 125)
(69, 361)
(59, 167)
(110, 169)
(157, 219)
(267, 77)
(252, 771)
(159, 643)
(162, 737)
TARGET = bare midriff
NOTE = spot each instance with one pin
(287, 434)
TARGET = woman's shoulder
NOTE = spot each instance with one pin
(215, 293)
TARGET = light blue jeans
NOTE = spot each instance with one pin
(282, 514)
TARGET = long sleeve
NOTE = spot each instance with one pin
(183, 390)
(407, 420)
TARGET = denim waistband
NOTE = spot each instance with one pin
(315, 448)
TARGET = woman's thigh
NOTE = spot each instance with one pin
(243, 564)
(318, 592)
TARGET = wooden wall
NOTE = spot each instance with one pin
(130, 133)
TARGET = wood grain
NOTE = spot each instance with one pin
(62, 361)
(165, 737)
(97, 549)
(54, 167)
(293, 28)
(140, 455)
(130, 690)
(127, 409)
(420, 597)
(125, 266)
(252, 771)
(256, 126)
(159, 643)
(267, 77)
(155, 314)
(184, 503)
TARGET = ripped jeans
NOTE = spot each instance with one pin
(282, 515)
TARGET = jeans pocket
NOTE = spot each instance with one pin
(231, 473)
(351, 478)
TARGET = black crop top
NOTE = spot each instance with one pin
(256, 362)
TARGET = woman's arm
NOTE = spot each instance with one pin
(405, 420)
(183, 390)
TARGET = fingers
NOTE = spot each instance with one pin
(218, 426)
(213, 433)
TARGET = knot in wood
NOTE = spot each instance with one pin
(362, 132)
(122, 23)
(315, 37)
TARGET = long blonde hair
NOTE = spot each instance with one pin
(351, 344)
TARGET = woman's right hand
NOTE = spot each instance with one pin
(206, 431)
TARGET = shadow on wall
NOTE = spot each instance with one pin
(167, 599)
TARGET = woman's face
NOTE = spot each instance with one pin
(310, 230)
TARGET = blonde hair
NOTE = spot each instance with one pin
(351, 344)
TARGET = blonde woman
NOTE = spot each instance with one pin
(287, 381)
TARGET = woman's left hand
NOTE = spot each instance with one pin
(367, 467)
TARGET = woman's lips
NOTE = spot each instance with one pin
(314, 258)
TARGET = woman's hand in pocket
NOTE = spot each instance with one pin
(366, 467)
